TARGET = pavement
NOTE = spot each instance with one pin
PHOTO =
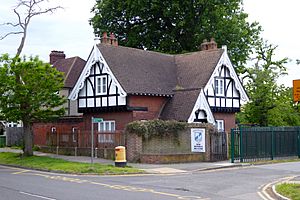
(148, 168)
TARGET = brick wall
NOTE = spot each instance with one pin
(121, 119)
(229, 120)
(153, 104)
(167, 149)
(134, 147)
(40, 130)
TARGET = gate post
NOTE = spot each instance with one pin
(232, 145)
(241, 145)
(272, 143)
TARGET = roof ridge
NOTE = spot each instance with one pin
(137, 49)
(186, 89)
(199, 52)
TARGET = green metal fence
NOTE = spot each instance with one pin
(261, 143)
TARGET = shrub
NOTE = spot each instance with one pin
(156, 128)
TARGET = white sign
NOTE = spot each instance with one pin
(198, 139)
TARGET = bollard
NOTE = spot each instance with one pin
(120, 156)
(56, 150)
(75, 151)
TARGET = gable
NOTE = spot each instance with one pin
(201, 110)
(224, 70)
(223, 90)
(97, 86)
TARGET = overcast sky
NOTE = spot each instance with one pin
(68, 30)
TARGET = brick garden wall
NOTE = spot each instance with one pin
(167, 149)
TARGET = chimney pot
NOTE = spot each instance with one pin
(113, 39)
(105, 39)
(56, 55)
(208, 45)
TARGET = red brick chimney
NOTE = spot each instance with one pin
(56, 55)
(208, 45)
(111, 40)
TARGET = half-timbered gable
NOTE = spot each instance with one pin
(97, 89)
(224, 91)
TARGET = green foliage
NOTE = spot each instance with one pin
(177, 26)
(290, 190)
(54, 164)
(156, 128)
(29, 90)
(270, 104)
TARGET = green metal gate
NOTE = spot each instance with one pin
(264, 143)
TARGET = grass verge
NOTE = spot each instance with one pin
(60, 165)
(290, 190)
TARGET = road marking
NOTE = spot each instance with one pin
(118, 187)
(8, 167)
(20, 172)
(264, 194)
(35, 195)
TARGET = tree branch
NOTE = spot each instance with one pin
(11, 33)
(9, 24)
(25, 10)
(19, 19)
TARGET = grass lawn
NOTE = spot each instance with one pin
(59, 165)
(290, 190)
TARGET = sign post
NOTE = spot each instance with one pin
(93, 120)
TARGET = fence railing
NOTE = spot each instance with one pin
(82, 139)
(261, 143)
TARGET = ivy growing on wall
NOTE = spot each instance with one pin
(156, 128)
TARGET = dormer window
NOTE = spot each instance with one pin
(219, 87)
(101, 85)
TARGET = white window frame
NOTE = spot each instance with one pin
(106, 127)
(101, 85)
(219, 86)
(220, 125)
(111, 126)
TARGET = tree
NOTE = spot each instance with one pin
(25, 11)
(178, 26)
(34, 98)
(269, 104)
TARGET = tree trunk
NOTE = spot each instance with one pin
(28, 139)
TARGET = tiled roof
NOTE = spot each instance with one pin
(195, 69)
(139, 71)
(180, 105)
(146, 72)
(72, 68)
